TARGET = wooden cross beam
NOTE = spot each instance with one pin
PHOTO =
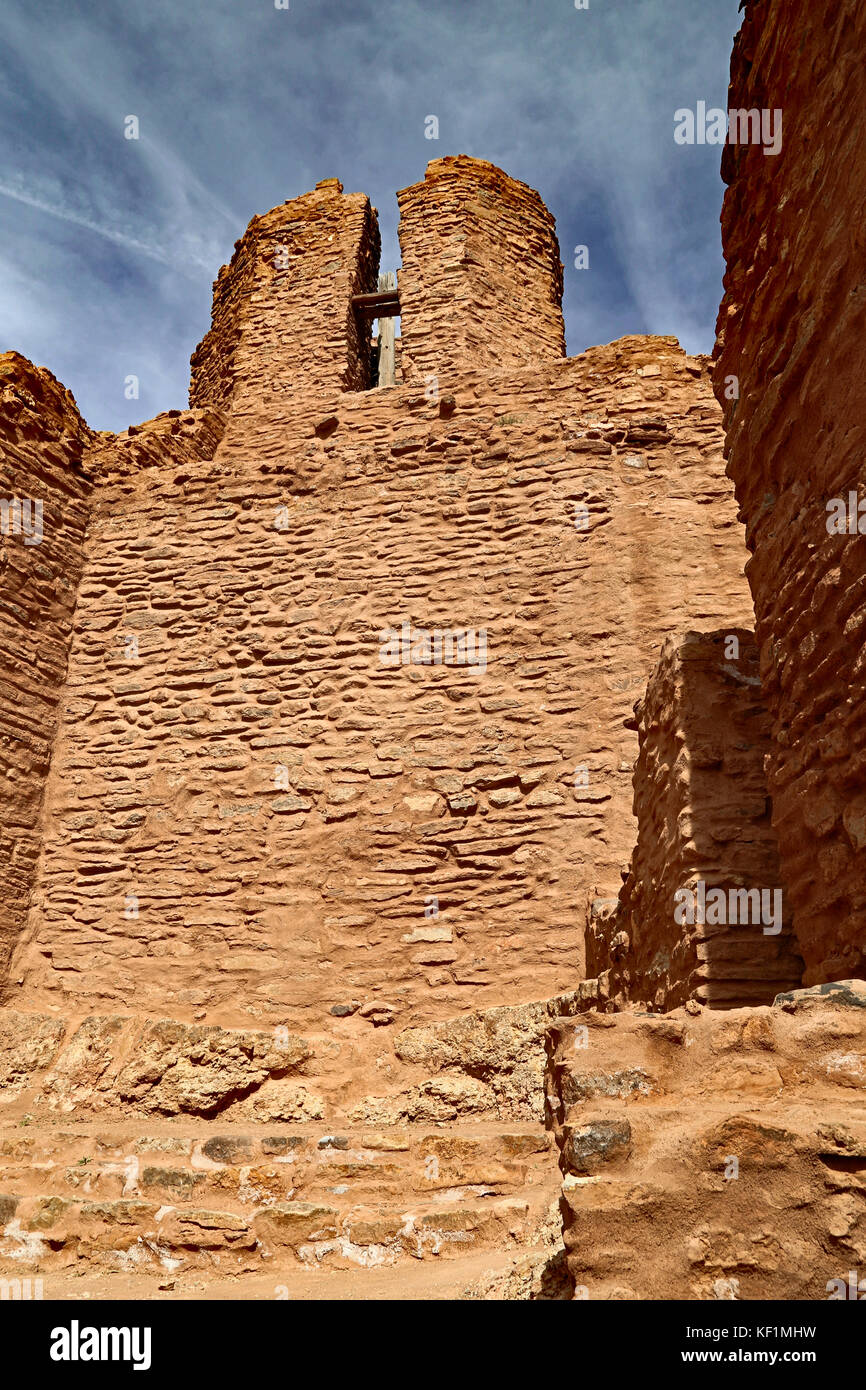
(381, 304)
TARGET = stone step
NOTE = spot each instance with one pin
(712, 1155)
(742, 991)
(354, 1173)
(52, 1231)
(249, 1169)
(114, 1195)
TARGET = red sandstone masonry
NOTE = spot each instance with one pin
(791, 328)
(250, 819)
(283, 326)
(649, 1114)
(702, 809)
(42, 441)
(254, 548)
(259, 649)
(481, 282)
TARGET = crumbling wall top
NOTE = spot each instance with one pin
(282, 310)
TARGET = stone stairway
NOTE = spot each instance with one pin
(138, 1147)
(179, 1196)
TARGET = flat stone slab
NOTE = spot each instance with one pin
(849, 993)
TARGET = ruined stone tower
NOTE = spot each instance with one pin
(337, 720)
(325, 759)
(252, 815)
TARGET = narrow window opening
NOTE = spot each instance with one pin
(381, 309)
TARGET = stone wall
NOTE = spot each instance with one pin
(703, 815)
(282, 312)
(481, 281)
(790, 328)
(42, 441)
(259, 811)
(256, 819)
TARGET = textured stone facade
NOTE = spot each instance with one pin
(345, 751)
(703, 814)
(44, 498)
(481, 280)
(282, 312)
(790, 326)
(250, 815)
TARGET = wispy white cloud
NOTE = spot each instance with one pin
(242, 106)
(67, 214)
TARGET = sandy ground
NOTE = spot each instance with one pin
(408, 1281)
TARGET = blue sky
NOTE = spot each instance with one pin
(108, 246)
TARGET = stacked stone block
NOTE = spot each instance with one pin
(789, 376)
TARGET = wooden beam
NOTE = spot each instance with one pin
(387, 353)
(380, 304)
